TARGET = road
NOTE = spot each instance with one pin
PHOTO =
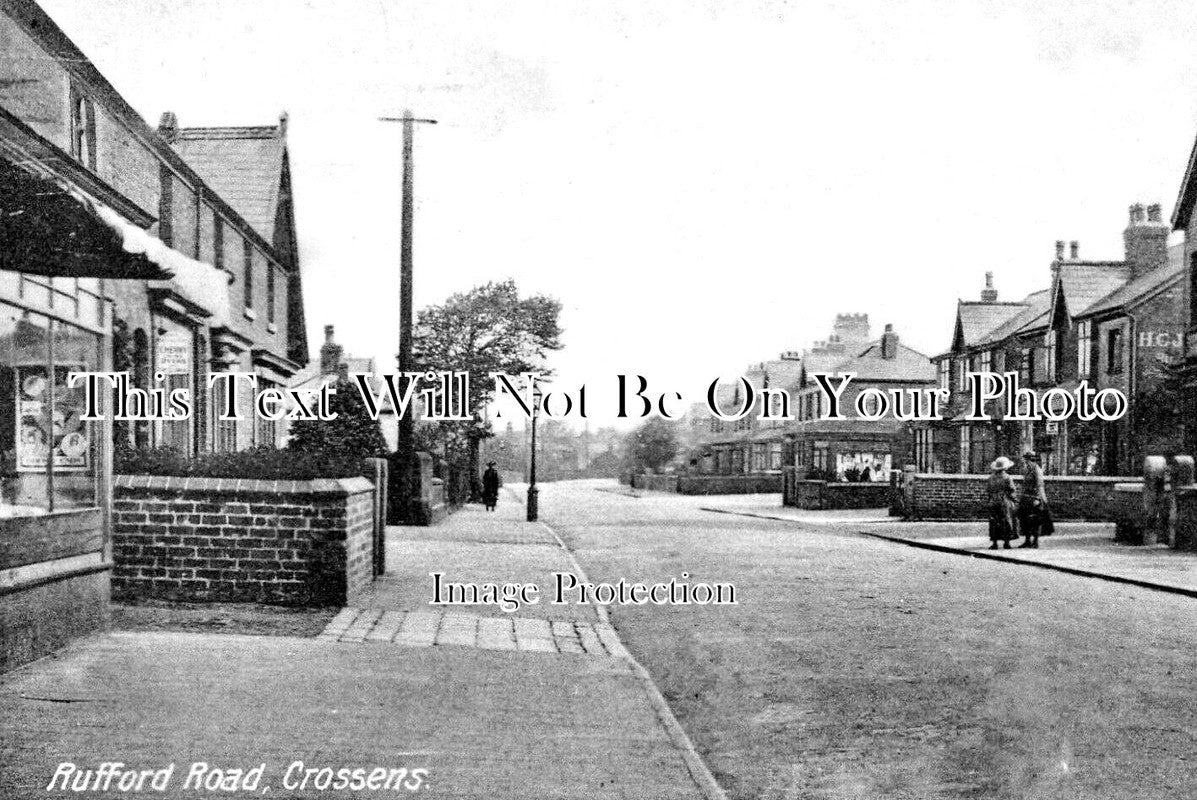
(857, 668)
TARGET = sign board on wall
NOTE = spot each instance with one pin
(172, 354)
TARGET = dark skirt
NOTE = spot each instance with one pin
(1002, 525)
(1035, 518)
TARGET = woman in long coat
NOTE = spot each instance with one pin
(490, 486)
(1002, 508)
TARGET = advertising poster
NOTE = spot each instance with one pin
(36, 430)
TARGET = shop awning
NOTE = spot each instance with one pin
(48, 228)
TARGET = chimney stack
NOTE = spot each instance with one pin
(330, 354)
(168, 126)
(988, 294)
(1059, 249)
(889, 343)
(1074, 248)
(1146, 239)
(282, 124)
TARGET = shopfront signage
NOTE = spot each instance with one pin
(173, 353)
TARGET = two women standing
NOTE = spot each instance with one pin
(1029, 513)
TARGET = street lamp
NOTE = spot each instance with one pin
(533, 491)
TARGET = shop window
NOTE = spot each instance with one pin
(48, 454)
(83, 129)
(1114, 352)
(174, 360)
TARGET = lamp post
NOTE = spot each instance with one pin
(533, 490)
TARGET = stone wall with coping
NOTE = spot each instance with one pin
(242, 540)
(1091, 498)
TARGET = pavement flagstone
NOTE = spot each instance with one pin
(543, 702)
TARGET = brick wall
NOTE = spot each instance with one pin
(827, 495)
(964, 497)
(729, 484)
(227, 539)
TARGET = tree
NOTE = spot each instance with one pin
(652, 445)
(349, 438)
(488, 329)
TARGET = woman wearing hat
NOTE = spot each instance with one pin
(1000, 489)
(490, 486)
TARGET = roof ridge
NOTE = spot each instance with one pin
(229, 132)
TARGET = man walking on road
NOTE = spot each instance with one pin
(1034, 518)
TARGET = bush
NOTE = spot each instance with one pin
(353, 435)
(262, 463)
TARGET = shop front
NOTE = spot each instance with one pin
(58, 254)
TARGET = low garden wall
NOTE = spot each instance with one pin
(655, 483)
(837, 495)
(242, 540)
(1093, 498)
(729, 484)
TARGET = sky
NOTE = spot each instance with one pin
(701, 184)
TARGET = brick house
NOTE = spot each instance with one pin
(1114, 324)
(834, 446)
(115, 253)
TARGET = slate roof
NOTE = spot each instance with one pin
(1033, 314)
(244, 165)
(976, 319)
(1144, 285)
(906, 365)
(1084, 283)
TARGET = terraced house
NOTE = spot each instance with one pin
(165, 254)
(1113, 324)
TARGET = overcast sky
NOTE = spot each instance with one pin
(702, 185)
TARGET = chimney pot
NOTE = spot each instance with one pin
(889, 342)
(1059, 249)
(328, 333)
(989, 294)
(1074, 249)
(282, 123)
(1154, 213)
(168, 126)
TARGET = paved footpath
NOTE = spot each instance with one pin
(541, 703)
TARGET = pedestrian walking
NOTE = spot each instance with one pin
(490, 486)
(1034, 515)
(1000, 491)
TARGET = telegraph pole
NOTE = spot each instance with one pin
(406, 482)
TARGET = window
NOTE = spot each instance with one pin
(1114, 351)
(961, 380)
(226, 429)
(775, 456)
(1026, 366)
(83, 129)
(49, 454)
(270, 293)
(249, 274)
(165, 204)
(1049, 345)
(266, 431)
(924, 449)
(1084, 345)
(945, 368)
(986, 361)
(964, 448)
(1193, 288)
(218, 243)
